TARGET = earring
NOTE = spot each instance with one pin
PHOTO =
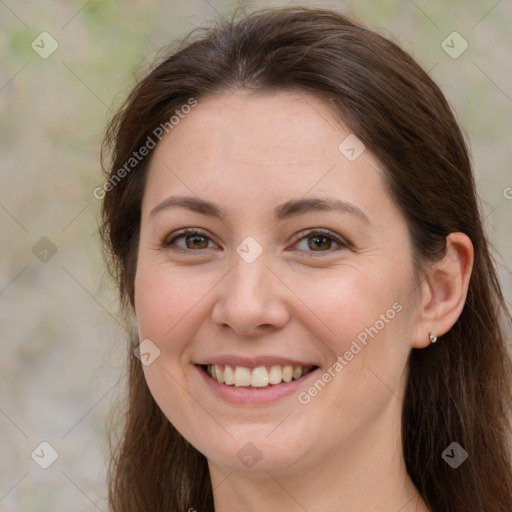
(432, 338)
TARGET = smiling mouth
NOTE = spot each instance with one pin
(259, 377)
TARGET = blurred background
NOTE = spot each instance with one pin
(65, 67)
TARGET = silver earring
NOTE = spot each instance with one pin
(432, 338)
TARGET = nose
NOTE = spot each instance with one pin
(252, 300)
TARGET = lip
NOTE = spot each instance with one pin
(256, 396)
(253, 362)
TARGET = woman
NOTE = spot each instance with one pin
(291, 215)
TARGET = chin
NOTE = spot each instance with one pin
(255, 452)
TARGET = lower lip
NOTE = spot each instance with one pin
(255, 396)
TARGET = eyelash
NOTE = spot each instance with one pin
(167, 244)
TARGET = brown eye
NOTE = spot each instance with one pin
(321, 242)
(193, 240)
(315, 241)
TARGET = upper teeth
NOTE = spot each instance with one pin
(259, 377)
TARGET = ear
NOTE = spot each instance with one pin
(443, 291)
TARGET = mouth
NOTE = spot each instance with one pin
(258, 377)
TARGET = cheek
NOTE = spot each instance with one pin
(365, 330)
(351, 303)
(167, 302)
(365, 321)
(165, 298)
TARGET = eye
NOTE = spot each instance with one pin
(321, 240)
(193, 239)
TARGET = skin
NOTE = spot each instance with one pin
(341, 451)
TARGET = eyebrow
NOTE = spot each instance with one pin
(283, 211)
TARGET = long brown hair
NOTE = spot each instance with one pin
(458, 390)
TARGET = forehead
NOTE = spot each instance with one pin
(282, 125)
(261, 146)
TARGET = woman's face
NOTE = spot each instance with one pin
(296, 256)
